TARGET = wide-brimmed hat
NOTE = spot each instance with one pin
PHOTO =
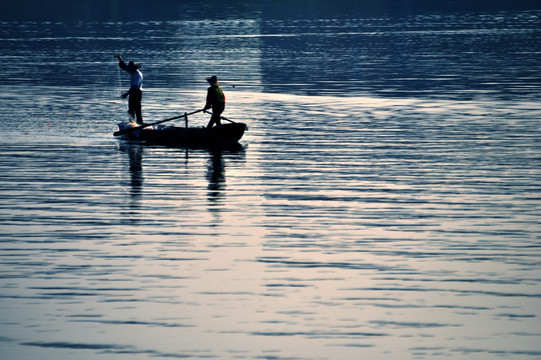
(133, 66)
(212, 79)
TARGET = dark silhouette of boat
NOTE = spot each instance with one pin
(225, 134)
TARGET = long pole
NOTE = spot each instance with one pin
(135, 128)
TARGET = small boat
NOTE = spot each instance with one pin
(225, 134)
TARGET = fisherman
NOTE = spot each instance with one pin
(136, 89)
(215, 100)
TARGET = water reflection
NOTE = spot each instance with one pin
(135, 171)
(135, 151)
(216, 189)
(210, 163)
(215, 177)
(135, 154)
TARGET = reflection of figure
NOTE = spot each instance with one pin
(215, 100)
(215, 175)
(135, 91)
(135, 153)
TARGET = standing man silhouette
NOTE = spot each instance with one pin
(215, 100)
(135, 91)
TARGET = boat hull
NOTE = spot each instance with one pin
(225, 134)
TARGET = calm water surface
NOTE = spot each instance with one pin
(384, 202)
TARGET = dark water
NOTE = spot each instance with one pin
(384, 204)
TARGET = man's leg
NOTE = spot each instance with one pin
(137, 106)
(215, 119)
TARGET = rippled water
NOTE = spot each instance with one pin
(384, 203)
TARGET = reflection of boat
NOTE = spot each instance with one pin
(225, 134)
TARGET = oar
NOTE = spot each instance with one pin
(125, 131)
(224, 118)
(221, 117)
